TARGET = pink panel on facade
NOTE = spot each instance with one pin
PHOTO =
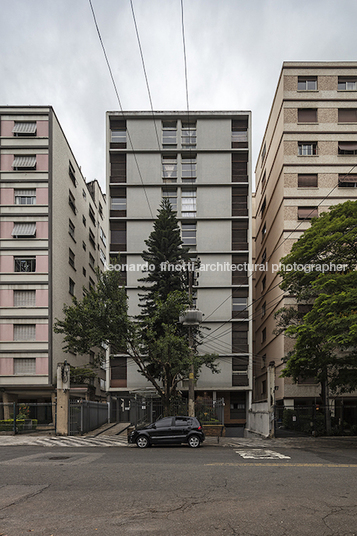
(6, 128)
(42, 196)
(42, 229)
(41, 332)
(42, 162)
(42, 129)
(41, 298)
(42, 263)
(42, 365)
(6, 162)
(6, 263)
(6, 332)
(7, 196)
(6, 298)
(6, 367)
(6, 228)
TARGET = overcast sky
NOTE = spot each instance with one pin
(51, 55)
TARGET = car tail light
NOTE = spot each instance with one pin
(199, 428)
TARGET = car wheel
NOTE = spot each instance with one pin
(142, 442)
(194, 441)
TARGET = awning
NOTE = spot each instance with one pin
(348, 178)
(24, 162)
(347, 146)
(24, 229)
(25, 128)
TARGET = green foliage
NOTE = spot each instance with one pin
(326, 336)
(80, 375)
(7, 425)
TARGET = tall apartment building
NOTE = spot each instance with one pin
(53, 235)
(201, 163)
(306, 164)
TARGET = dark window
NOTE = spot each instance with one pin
(347, 83)
(72, 174)
(72, 202)
(307, 83)
(349, 180)
(240, 364)
(71, 258)
(307, 180)
(25, 264)
(264, 334)
(239, 337)
(240, 235)
(240, 167)
(264, 256)
(347, 115)
(117, 235)
(239, 201)
(306, 213)
(71, 229)
(264, 231)
(163, 423)
(118, 133)
(84, 272)
(347, 147)
(117, 167)
(169, 133)
(237, 405)
(92, 214)
(240, 273)
(264, 309)
(240, 133)
(84, 220)
(118, 372)
(307, 115)
(91, 261)
(264, 150)
(71, 286)
(240, 380)
(263, 207)
(91, 238)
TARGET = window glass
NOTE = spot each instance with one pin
(164, 422)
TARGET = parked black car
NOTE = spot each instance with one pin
(169, 430)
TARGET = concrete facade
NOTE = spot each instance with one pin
(299, 174)
(51, 222)
(202, 163)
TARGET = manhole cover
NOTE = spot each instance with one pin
(59, 457)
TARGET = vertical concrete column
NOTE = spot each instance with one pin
(8, 400)
(63, 383)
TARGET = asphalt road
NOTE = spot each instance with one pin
(178, 491)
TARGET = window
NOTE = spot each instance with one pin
(264, 231)
(239, 304)
(117, 235)
(71, 229)
(188, 168)
(240, 337)
(118, 371)
(72, 174)
(347, 83)
(24, 365)
(306, 213)
(188, 134)
(307, 180)
(188, 203)
(263, 362)
(117, 167)
(264, 387)
(91, 283)
(307, 83)
(103, 237)
(189, 234)
(84, 220)
(24, 298)
(118, 203)
(264, 256)
(239, 138)
(72, 202)
(240, 273)
(91, 238)
(264, 309)
(349, 180)
(71, 287)
(84, 193)
(240, 364)
(102, 256)
(264, 283)
(91, 261)
(118, 136)
(264, 151)
(263, 207)
(307, 149)
(264, 334)
(102, 384)
(84, 245)
(347, 115)
(84, 272)
(25, 128)
(92, 214)
(24, 230)
(25, 264)
(169, 168)
(100, 209)
(22, 163)
(171, 195)
(240, 235)
(347, 147)
(240, 200)
(240, 166)
(307, 115)
(25, 197)
(264, 179)
(169, 131)
(71, 258)
(24, 332)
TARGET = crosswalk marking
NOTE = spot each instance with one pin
(74, 441)
(261, 454)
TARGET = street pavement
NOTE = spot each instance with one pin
(245, 487)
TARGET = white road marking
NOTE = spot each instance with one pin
(261, 454)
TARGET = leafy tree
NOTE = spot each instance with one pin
(324, 283)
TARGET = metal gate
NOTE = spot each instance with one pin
(85, 416)
(29, 417)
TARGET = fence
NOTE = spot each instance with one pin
(142, 410)
(85, 416)
(29, 417)
(311, 420)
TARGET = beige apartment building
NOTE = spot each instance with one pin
(306, 164)
(53, 228)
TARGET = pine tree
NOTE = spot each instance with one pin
(165, 251)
